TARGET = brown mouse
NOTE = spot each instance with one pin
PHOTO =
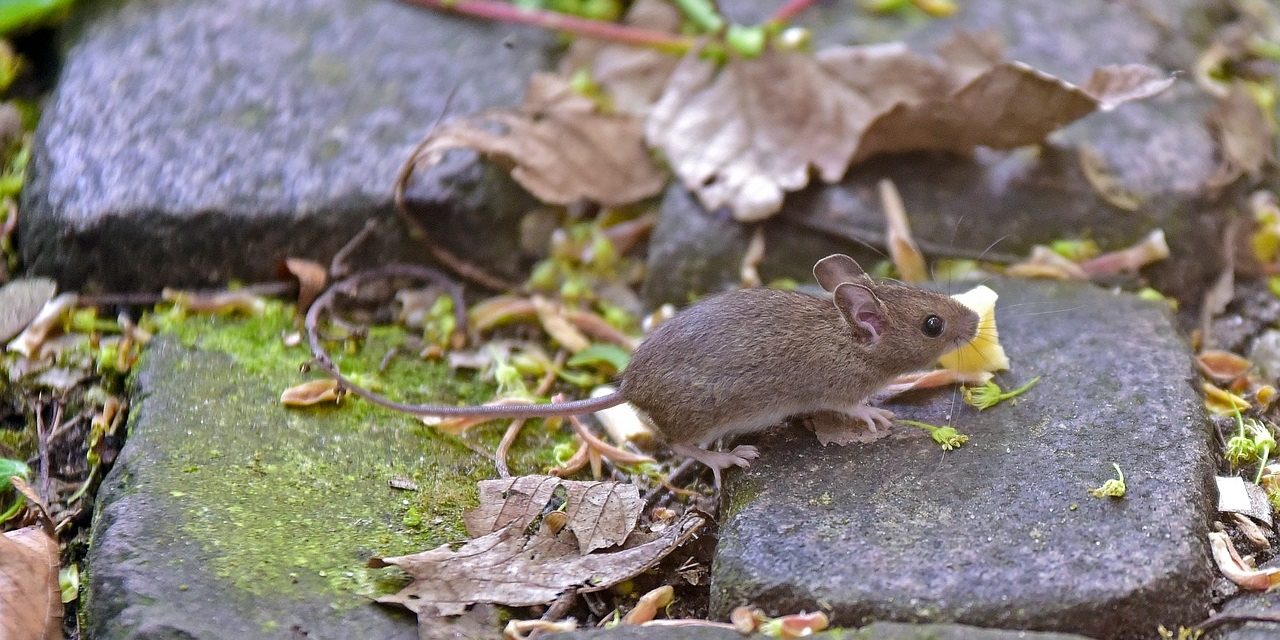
(745, 360)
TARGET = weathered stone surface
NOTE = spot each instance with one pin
(229, 516)
(1002, 532)
(191, 142)
(876, 631)
(999, 204)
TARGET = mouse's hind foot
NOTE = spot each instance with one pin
(740, 456)
(872, 416)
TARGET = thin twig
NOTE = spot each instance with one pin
(595, 29)
(133, 299)
(338, 267)
(418, 230)
(1228, 618)
(561, 606)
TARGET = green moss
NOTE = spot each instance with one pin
(291, 503)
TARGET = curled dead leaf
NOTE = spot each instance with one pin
(1251, 531)
(559, 146)
(312, 393)
(312, 277)
(633, 76)
(1237, 570)
(1047, 263)
(1222, 366)
(1223, 402)
(50, 318)
(649, 604)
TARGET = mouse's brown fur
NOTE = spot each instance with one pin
(747, 359)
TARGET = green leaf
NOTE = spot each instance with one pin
(10, 467)
(601, 356)
(18, 14)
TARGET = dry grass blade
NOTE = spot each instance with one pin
(906, 256)
(30, 599)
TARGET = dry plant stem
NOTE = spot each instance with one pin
(1228, 618)
(513, 431)
(278, 288)
(662, 495)
(446, 257)
(338, 267)
(561, 606)
(42, 442)
(789, 10)
(595, 29)
(349, 285)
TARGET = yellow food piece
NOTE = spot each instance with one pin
(984, 352)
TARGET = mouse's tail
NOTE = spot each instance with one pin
(499, 411)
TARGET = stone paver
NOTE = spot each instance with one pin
(228, 516)
(876, 631)
(997, 204)
(190, 142)
(1001, 532)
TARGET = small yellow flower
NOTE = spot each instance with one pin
(984, 352)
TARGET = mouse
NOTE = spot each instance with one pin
(744, 360)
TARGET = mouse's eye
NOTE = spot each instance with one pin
(933, 326)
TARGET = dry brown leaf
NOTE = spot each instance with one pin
(20, 301)
(559, 146)
(30, 599)
(312, 278)
(1246, 141)
(1236, 569)
(601, 514)
(744, 133)
(311, 393)
(1222, 366)
(520, 568)
(633, 76)
(836, 428)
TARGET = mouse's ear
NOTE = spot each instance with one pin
(836, 269)
(861, 309)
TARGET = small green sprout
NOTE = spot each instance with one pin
(1113, 488)
(990, 394)
(947, 437)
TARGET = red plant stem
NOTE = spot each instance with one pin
(504, 12)
(787, 11)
